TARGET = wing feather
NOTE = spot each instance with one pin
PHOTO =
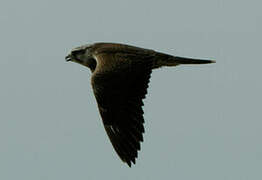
(120, 84)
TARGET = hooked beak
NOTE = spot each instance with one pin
(68, 57)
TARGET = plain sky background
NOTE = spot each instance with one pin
(202, 122)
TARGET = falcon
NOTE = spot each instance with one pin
(120, 77)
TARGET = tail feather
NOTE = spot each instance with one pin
(168, 60)
(183, 60)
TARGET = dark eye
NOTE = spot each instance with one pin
(80, 51)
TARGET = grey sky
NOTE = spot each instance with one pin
(202, 122)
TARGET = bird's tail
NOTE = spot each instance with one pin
(168, 60)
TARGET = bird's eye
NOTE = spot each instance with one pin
(80, 51)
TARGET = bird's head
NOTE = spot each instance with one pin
(82, 55)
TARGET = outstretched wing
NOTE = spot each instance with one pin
(120, 83)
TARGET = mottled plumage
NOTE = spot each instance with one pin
(120, 77)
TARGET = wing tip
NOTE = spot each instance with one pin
(129, 162)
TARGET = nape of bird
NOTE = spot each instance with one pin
(120, 77)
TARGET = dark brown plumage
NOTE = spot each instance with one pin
(120, 77)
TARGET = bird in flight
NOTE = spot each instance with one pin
(120, 77)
